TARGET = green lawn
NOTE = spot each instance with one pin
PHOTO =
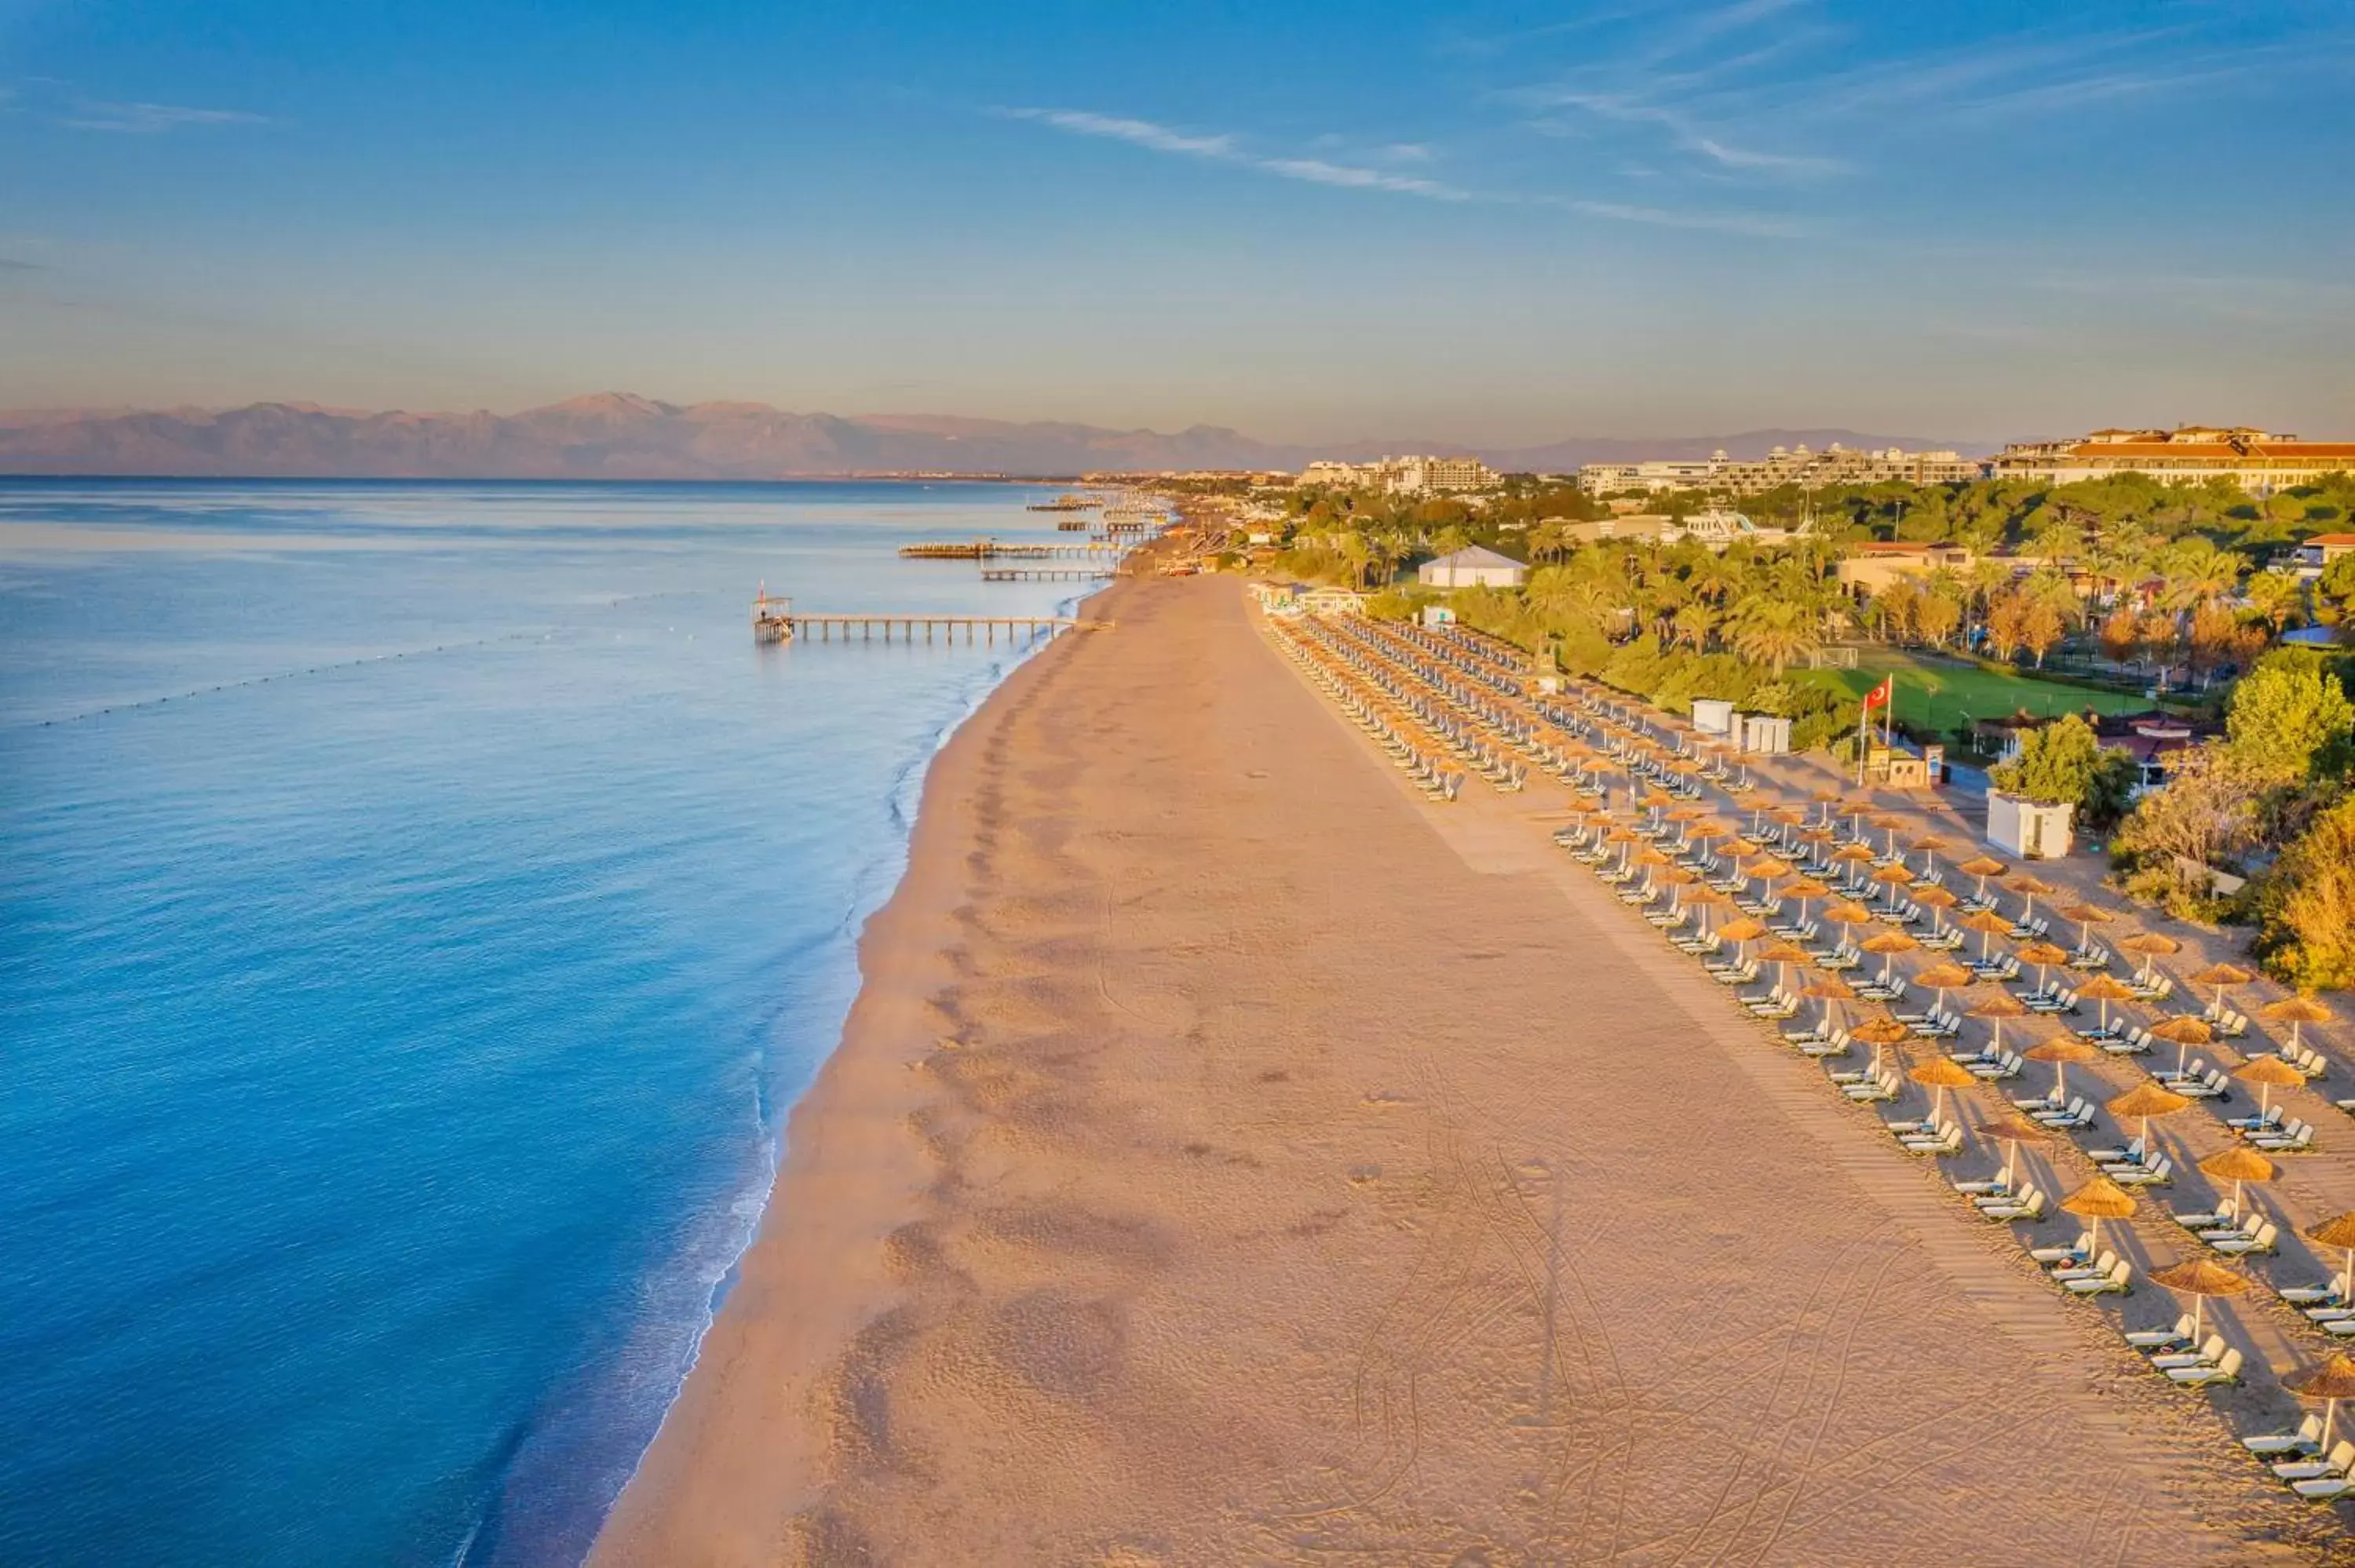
(1935, 694)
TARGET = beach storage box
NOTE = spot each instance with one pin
(1711, 716)
(1763, 733)
(2028, 829)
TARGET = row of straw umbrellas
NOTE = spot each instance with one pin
(2098, 1199)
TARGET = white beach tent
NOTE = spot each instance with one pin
(1472, 567)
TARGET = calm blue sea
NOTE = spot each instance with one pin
(418, 905)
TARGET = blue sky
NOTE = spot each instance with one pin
(1973, 220)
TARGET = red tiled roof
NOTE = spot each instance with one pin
(2338, 539)
(2217, 452)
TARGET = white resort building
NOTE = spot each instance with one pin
(2256, 460)
(1406, 475)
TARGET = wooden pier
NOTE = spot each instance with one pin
(1045, 575)
(991, 550)
(903, 627)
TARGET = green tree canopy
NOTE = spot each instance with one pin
(2062, 764)
(2289, 718)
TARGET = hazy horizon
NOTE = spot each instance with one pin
(1489, 226)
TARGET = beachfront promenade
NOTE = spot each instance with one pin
(1243, 1151)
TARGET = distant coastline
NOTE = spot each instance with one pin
(623, 437)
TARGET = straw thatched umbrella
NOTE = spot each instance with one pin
(1995, 1009)
(1782, 955)
(1831, 990)
(2183, 1032)
(2268, 1073)
(1989, 926)
(1937, 901)
(2147, 946)
(2199, 1279)
(1851, 856)
(2332, 1381)
(2294, 1010)
(1880, 1032)
(2105, 990)
(1982, 866)
(2237, 1164)
(1927, 846)
(2028, 888)
(1742, 933)
(2224, 976)
(2014, 1129)
(2087, 916)
(1944, 978)
(2098, 1200)
(1939, 1074)
(2061, 1050)
(2339, 1231)
(2144, 1101)
(2043, 955)
(1888, 945)
(1845, 913)
(1890, 825)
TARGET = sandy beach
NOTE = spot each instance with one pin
(1232, 1157)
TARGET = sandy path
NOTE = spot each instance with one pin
(1235, 1159)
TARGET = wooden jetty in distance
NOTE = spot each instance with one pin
(991, 550)
(903, 627)
(775, 619)
(1044, 574)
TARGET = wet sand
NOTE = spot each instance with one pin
(1233, 1158)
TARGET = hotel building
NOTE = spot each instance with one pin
(2253, 460)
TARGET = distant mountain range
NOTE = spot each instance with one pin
(615, 435)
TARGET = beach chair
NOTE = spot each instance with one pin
(2330, 1295)
(1937, 1144)
(2222, 1216)
(2097, 1270)
(1984, 1187)
(2267, 1239)
(2211, 1351)
(2153, 1341)
(2161, 1174)
(2080, 1114)
(2132, 1154)
(2063, 1256)
(2294, 1138)
(2338, 1462)
(2118, 1281)
(2031, 1208)
(2307, 1439)
(2008, 1066)
(2324, 1488)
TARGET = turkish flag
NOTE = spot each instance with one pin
(1879, 695)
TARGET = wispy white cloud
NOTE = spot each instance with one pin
(1222, 148)
(149, 118)
(1718, 90)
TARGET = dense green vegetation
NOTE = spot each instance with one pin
(2275, 799)
(2138, 582)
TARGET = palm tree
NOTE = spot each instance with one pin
(2199, 573)
(1693, 624)
(1777, 633)
(2276, 599)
